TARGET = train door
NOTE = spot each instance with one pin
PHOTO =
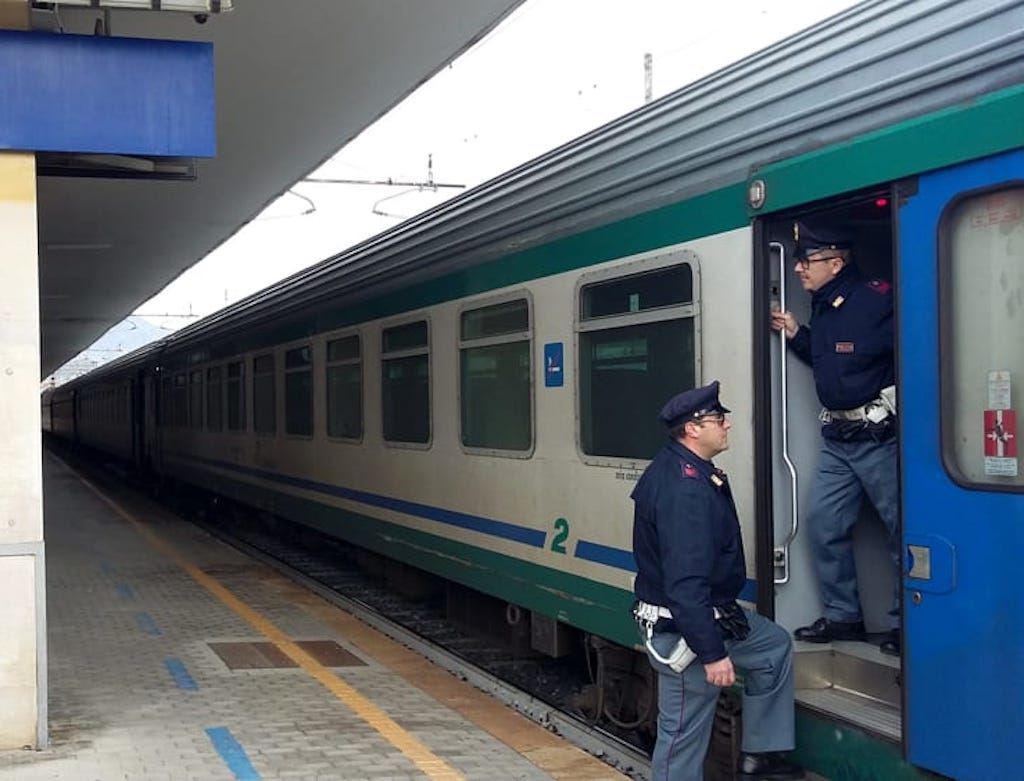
(849, 680)
(962, 302)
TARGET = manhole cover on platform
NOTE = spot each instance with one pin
(261, 655)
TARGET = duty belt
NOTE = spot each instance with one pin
(875, 411)
(646, 613)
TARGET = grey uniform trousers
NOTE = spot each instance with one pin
(686, 701)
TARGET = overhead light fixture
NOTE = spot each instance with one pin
(184, 6)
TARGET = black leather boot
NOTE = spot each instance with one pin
(825, 631)
(891, 644)
(767, 766)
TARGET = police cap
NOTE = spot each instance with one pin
(813, 238)
(692, 404)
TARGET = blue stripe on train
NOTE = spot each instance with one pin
(585, 550)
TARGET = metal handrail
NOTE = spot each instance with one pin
(781, 553)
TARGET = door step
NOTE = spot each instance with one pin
(871, 715)
(852, 682)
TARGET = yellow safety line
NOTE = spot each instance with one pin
(420, 755)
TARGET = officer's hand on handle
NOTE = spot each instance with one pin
(720, 673)
(785, 320)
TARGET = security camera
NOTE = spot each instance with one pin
(201, 18)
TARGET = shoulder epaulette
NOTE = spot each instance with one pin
(880, 286)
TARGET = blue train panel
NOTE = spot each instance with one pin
(962, 369)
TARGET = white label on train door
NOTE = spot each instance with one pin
(1001, 442)
(999, 390)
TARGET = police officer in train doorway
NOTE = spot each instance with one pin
(690, 571)
(849, 347)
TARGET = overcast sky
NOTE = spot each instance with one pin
(553, 70)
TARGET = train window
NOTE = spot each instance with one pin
(405, 383)
(298, 391)
(195, 399)
(264, 398)
(236, 396)
(636, 342)
(214, 399)
(495, 378)
(982, 276)
(179, 402)
(345, 388)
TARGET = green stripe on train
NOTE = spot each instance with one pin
(982, 127)
(594, 607)
(843, 753)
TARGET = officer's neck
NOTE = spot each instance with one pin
(698, 448)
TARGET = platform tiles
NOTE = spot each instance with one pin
(173, 656)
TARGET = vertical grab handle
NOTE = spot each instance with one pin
(781, 552)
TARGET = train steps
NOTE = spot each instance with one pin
(854, 682)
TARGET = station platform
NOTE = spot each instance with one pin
(173, 656)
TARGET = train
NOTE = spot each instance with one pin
(474, 392)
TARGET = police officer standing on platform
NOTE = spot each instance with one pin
(690, 571)
(849, 347)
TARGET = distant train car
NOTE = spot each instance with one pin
(475, 392)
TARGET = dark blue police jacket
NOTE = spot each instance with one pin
(849, 341)
(687, 545)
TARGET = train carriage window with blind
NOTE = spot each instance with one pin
(637, 347)
(195, 398)
(298, 391)
(982, 280)
(405, 383)
(236, 396)
(264, 396)
(179, 408)
(214, 399)
(494, 376)
(345, 388)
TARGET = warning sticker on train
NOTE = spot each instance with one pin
(1001, 442)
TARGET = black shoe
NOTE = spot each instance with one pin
(825, 631)
(767, 766)
(891, 644)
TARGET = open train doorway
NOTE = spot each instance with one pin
(824, 455)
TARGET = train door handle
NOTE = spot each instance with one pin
(930, 563)
(781, 552)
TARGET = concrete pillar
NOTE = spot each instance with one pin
(22, 570)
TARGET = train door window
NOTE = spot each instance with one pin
(982, 279)
(180, 400)
(214, 399)
(264, 398)
(237, 396)
(637, 346)
(345, 388)
(405, 383)
(495, 378)
(195, 399)
(298, 391)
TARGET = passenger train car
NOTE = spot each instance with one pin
(475, 392)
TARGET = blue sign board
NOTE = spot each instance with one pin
(554, 374)
(94, 94)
